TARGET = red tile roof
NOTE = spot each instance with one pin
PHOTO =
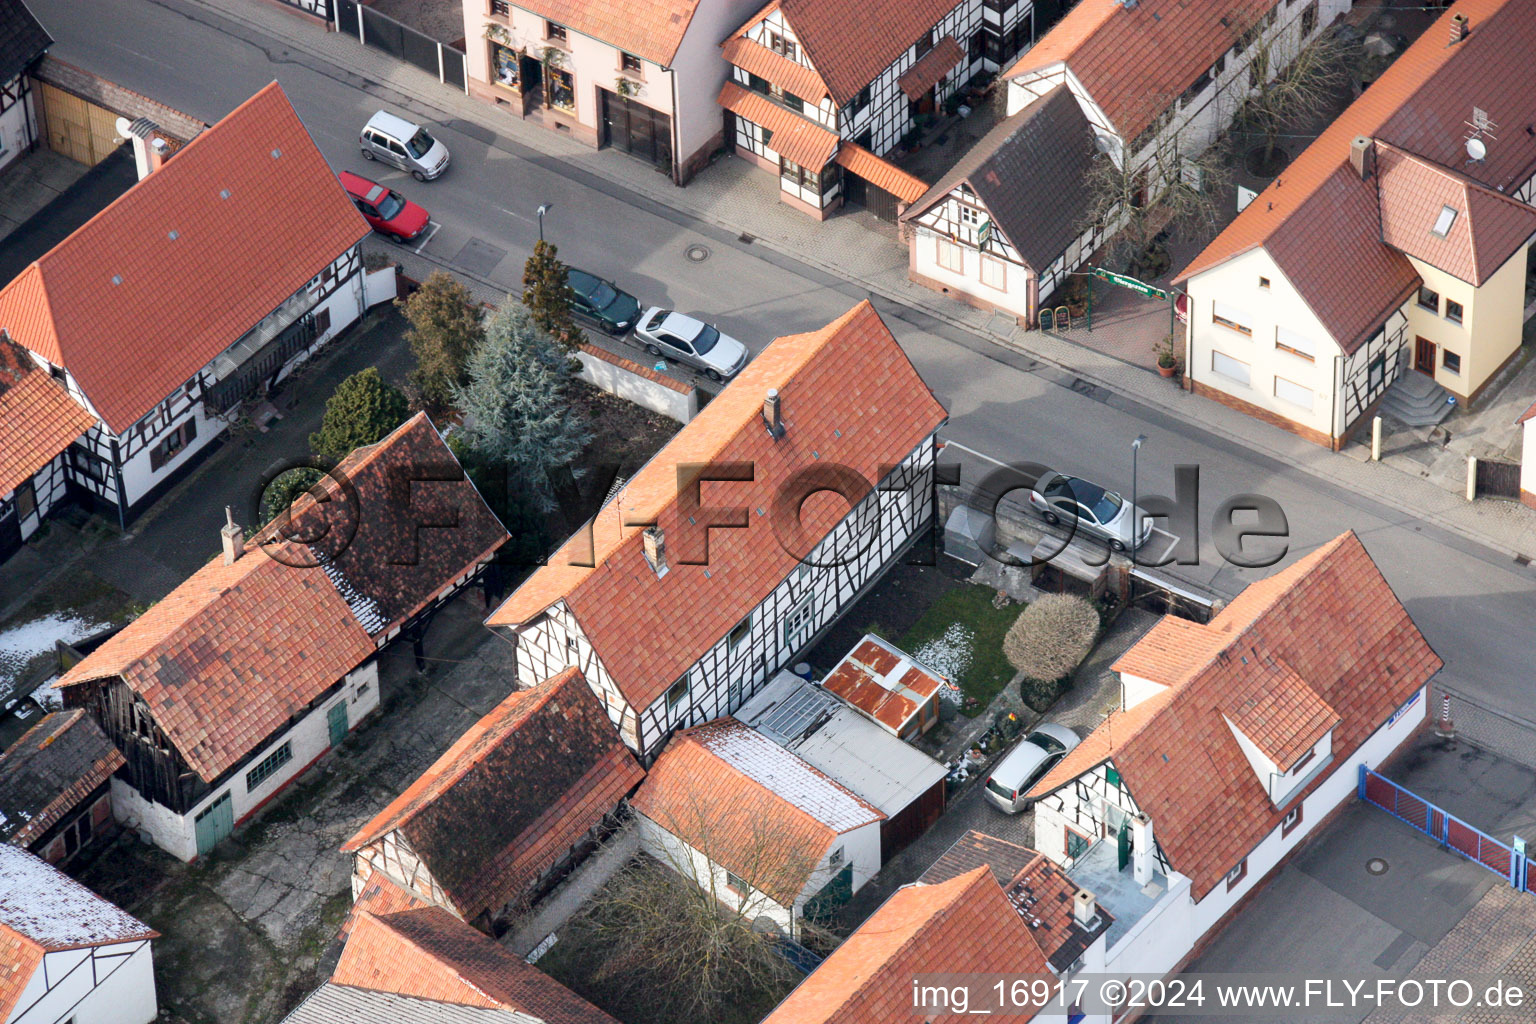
(749, 805)
(1486, 228)
(171, 274)
(882, 682)
(880, 172)
(380, 895)
(1322, 225)
(850, 396)
(1135, 60)
(20, 957)
(930, 68)
(850, 44)
(652, 29)
(38, 419)
(512, 795)
(1324, 638)
(965, 925)
(237, 650)
(47, 772)
(430, 954)
(794, 137)
(791, 76)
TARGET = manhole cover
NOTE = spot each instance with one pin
(1376, 866)
(697, 253)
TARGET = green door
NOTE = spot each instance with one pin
(837, 891)
(336, 721)
(213, 823)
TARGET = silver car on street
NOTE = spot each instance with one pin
(692, 342)
(1089, 508)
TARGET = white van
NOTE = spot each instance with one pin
(399, 143)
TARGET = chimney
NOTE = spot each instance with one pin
(149, 149)
(1085, 912)
(1460, 25)
(1362, 157)
(773, 418)
(232, 536)
(1144, 849)
(655, 549)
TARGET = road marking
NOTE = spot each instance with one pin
(522, 217)
(435, 227)
(980, 455)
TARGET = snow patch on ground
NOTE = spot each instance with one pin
(21, 643)
(47, 697)
(949, 655)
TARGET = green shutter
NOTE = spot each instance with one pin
(1111, 776)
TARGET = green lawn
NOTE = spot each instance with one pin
(961, 635)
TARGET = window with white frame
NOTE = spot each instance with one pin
(994, 273)
(1232, 369)
(950, 256)
(797, 624)
(1231, 318)
(1295, 344)
(1295, 394)
(969, 215)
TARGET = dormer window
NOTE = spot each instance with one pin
(1443, 222)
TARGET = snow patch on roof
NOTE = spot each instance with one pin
(364, 608)
(785, 775)
(55, 911)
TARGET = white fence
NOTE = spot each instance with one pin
(635, 383)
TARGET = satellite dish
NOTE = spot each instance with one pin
(1475, 149)
(123, 126)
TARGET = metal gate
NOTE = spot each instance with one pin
(380, 31)
(1497, 479)
(319, 8)
(1446, 829)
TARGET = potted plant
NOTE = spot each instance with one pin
(1167, 356)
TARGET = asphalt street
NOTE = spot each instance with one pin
(1474, 604)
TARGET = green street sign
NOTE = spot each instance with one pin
(1141, 287)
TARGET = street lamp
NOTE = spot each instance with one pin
(543, 209)
(1135, 510)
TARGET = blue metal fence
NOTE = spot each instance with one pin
(1448, 830)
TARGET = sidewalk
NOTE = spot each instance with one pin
(742, 201)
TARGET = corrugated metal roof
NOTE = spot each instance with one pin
(330, 1003)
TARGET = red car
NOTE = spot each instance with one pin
(386, 211)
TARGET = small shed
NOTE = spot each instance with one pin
(903, 782)
(887, 686)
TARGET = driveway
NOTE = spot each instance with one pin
(1331, 911)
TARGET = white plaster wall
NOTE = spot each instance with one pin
(701, 69)
(1135, 689)
(925, 253)
(1162, 938)
(1236, 283)
(1528, 456)
(310, 736)
(648, 394)
(118, 988)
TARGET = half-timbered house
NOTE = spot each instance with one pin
(23, 41)
(1233, 742)
(1002, 229)
(821, 92)
(228, 688)
(38, 423)
(498, 819)
(67, 956)
(1399, 240)
(55, 791)
(166, 313)
(425, 966)
(1009, 912)
(733, 549)
(756, 826)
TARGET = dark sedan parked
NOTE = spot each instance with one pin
(601, 303)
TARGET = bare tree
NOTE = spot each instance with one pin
(1290, 80)
(1162, 180)
(1051, 637)
(685, 936)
